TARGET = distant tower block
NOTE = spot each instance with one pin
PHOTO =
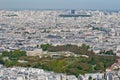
(72, 11)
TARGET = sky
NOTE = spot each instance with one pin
(60, 4)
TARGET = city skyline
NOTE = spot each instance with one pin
(61, 4)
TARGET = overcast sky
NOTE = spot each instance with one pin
(60, 4)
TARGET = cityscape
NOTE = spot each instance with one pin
(25, 30)
(49, 41)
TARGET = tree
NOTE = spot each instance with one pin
(92, 61)
(102, 52)
(85, 47)
(7, 63)
(5, 53)
(37, 46)
(99, 66)
(14, 55)
(110, 52)
(1, 60)
(45, 46)
(90, 78)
